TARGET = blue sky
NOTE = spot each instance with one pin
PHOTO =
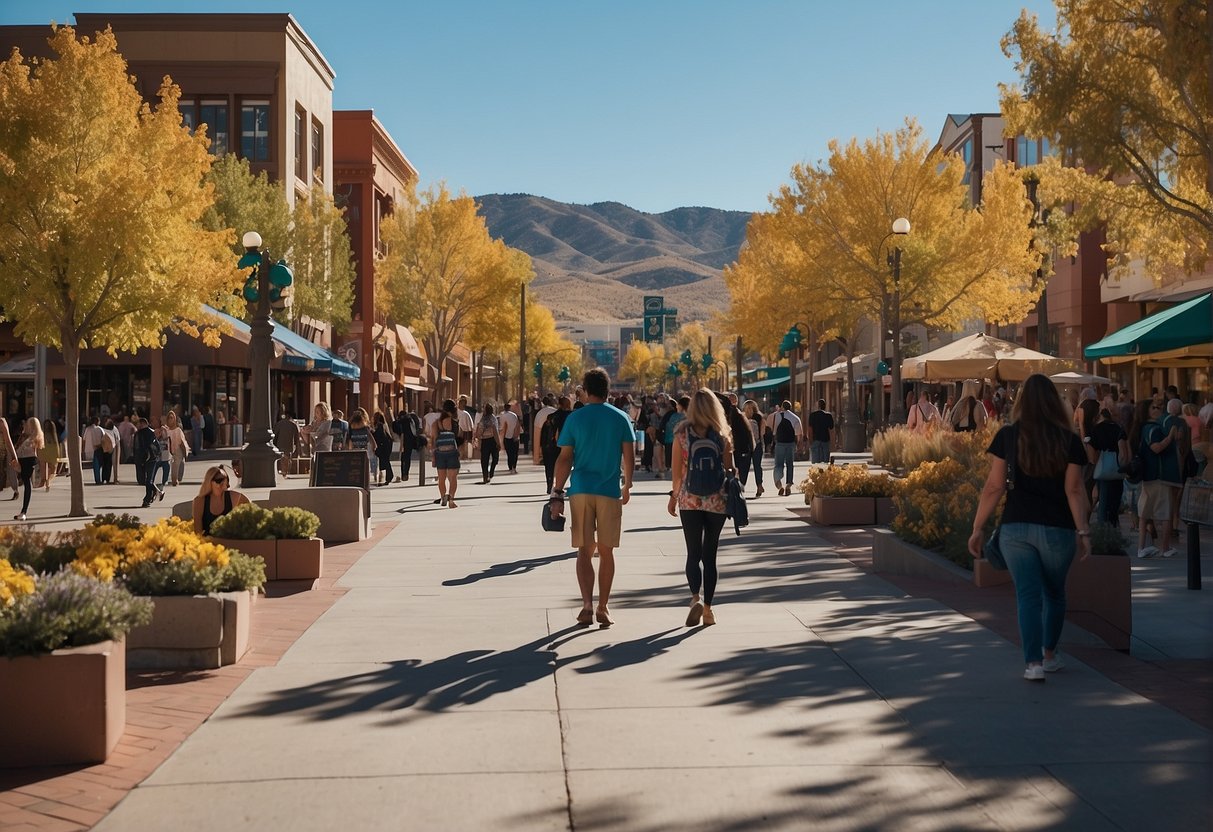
(653, 103)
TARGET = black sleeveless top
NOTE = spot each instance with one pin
(207, 517)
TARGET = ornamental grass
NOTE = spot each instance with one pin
(854, 480)
(900, 449)
(66, 609)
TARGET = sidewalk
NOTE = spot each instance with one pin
(446, 689)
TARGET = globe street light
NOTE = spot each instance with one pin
(897, 413)
(259, 458)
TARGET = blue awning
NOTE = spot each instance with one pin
(303, 353)
(297, 351)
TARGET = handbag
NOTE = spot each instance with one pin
(549, 521)
(1107, 467)
(992, 551)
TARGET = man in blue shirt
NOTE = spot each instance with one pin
(596, 445)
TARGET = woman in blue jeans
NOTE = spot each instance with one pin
(1044, 520)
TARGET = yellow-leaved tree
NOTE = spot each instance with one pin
(441, 271)
(1124, 90)
(958, 263)
(101, 197)
(318, 251)
(637, 364)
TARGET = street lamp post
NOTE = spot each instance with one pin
(897, 412)
(1042, 305)
(259, 458)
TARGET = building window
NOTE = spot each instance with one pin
(300, 144)
(189, 113)
(255, 130)
(1027, 151)
(318, 150)
(213, 113)
(966, 152)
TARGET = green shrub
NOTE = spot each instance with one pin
(122, 521)
(244, 522)
(174, 577)
(242, 572)
(292, 523)
(43, 553)
(69, 610)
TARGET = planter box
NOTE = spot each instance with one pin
(300, 559)
(68, 706)
(1099, 598)
(886, 510)
(193, 631)
(267, 550)
(844, 511)
(894, 556)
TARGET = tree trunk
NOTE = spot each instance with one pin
(71, 359)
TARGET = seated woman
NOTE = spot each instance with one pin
(214, 499)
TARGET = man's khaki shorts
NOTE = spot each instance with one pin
(1155, 501)
(595, 519)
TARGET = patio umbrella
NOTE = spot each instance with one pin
(1078, 378)
(981, 356)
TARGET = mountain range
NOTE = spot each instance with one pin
(596, 262)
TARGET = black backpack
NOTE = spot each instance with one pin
(784, 431)
(152, 450)
(547, 434)
(705, 468)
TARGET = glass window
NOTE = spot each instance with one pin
(255, 130)
(301, 143)
(214, 115)
(1027, 151)
(318, 150)
(189, 113)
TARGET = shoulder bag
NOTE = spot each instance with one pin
(992, 551)
(1107, 466)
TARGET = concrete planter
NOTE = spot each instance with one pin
(65, 707)
(894, 556)
(1099, 598)
(193, 631)
(300, 559)
(987, 574)
(886, 510)
(844, 511)
(267, 550)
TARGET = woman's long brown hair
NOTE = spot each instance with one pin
(1044, 428)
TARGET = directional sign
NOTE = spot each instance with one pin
(654, 318)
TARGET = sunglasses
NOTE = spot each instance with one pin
(219, 478)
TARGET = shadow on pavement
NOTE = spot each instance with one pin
(516, 567)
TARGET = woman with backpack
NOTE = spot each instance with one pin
(703, 452)
(444, 436)
(968, 414)
(488, 435)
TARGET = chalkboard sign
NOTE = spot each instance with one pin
(350, 468)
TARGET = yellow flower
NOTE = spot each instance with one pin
(13, 583)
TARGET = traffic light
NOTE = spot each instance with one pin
(791, 340)
(250, 260)
(673, 370)
(281, 279)
(564, 374)
(537, 370)
(686, 359)
(707, 360)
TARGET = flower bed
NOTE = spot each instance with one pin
(284, 538)
(848, 495)
(63, 670)
(936, 504)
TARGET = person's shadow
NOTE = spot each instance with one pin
(501, 570)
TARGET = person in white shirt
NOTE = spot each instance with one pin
(788, 432)
(547, 410)
(510, 427)
(923, 415)
(465, 426)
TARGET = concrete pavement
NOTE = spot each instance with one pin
(449, 689)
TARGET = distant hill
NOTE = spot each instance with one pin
(596, 262)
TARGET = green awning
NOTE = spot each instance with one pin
(1188, 324)
(767, 384)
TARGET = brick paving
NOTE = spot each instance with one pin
(164, 707)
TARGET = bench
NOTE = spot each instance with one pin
(841, 458)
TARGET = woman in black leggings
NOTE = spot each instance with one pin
(702, 515)
(754, 417)
(28, 446)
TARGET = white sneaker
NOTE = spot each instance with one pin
(1054, 664)
(1148, 552)
(1034, 673)
(1170, 553)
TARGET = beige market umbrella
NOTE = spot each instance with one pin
(981, 356)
